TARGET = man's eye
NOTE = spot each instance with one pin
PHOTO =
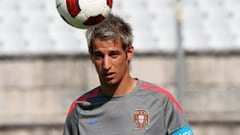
(98, 56)
(114, 54)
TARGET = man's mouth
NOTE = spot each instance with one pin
(109, 75)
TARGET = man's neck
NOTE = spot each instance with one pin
(124, 87)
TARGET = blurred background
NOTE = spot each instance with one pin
(189, 47)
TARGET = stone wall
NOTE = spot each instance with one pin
(35, 93)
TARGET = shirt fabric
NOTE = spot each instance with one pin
(147, 110)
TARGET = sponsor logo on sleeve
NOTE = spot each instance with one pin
(183, 131)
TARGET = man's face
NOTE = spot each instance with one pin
(111, 61)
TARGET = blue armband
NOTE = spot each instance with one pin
(183, 131)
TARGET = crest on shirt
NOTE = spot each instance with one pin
(141, 119)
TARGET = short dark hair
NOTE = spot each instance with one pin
(114, 27)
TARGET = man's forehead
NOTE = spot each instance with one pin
(107, 49)
(110, 44)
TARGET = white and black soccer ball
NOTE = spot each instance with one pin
(84, 13)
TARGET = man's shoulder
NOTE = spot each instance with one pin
(151, 87)
(159, 92)
(84, 97)
(89, 94)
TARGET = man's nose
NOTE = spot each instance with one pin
(107, 63)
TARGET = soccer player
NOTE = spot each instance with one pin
(121, 104)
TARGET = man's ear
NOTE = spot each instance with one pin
(130, 53)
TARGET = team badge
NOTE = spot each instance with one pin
(141, 119)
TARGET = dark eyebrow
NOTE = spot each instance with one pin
(115, 52)
(97, 53)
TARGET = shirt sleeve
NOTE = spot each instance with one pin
(70, 127)
(67, 128)
(186, 130)
(175, 119)
(71, 124)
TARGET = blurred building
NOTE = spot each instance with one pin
(189, 47)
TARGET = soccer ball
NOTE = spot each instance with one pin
(84, 13)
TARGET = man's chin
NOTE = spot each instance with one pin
(111, 82)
